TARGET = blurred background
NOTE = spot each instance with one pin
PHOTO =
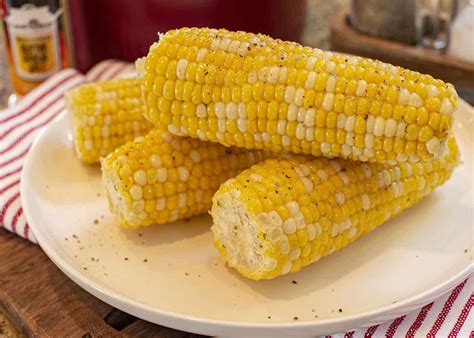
(40, 37)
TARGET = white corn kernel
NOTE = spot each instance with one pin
(284, 245)
(340, 198)
(181, 69)
(201, 54)
(328, 101)
(369, 141)
(243, 48)
(272, 77)
(281, 127)
(295, 254)
(234, 46)
(201, 111)
(311, 231)
(299, 96)
(432, 91)
(401, 158)
(307, 184)
(309, 117)
(286, 268)
(379, 126)
(322, 174)
(161, 175)
(390, 127)
(365, 201)
(331, 84)
(231, 111)
(350, 138)
(415, 100)
(222, 125)
(310, 134)
(289, 226)
(140, 177)
(403, 96)
(346, 150)
(138, 207)
(330, 66)
(282, 76)
(310, 62)
(293, 207)
(256, 177)
(345, 179)
(350, 123)
(136, 192)
(401, 129)
(446, 107)
(341, 121)
(183, 174)
(195, 156)
(325, 147)
(160, 204)
(285, 141)
(242, 125)
(219, 109)
(289, 94)
(292, 112)
(310, 80)
(301, 115)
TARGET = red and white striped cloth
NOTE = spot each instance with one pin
(449, 316)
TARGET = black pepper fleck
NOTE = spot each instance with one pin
(295, 318)
(294, 282)
(340, 310)
(126, 258)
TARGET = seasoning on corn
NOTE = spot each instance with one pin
(307, 208)
(105, 115)
(252, 91)
(160, 178)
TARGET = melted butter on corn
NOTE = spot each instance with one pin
(256, 92)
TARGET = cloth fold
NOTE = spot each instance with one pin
(450, 315)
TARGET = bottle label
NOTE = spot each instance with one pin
(33, 33)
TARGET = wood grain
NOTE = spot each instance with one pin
(347, 40)
(42, 302)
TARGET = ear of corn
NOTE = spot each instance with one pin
(256, 92)
(284, 214)
(105, 115)
(160, 178)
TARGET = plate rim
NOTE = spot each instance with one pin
(218, 326)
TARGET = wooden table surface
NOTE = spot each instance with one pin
(40, 300)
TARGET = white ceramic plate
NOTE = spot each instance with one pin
(171, 275)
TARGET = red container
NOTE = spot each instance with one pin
(125, 29)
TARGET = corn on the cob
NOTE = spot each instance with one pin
(105, 115)
(256, 92)
(160, 178)
(283, 214)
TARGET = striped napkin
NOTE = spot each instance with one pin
(449, 316)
